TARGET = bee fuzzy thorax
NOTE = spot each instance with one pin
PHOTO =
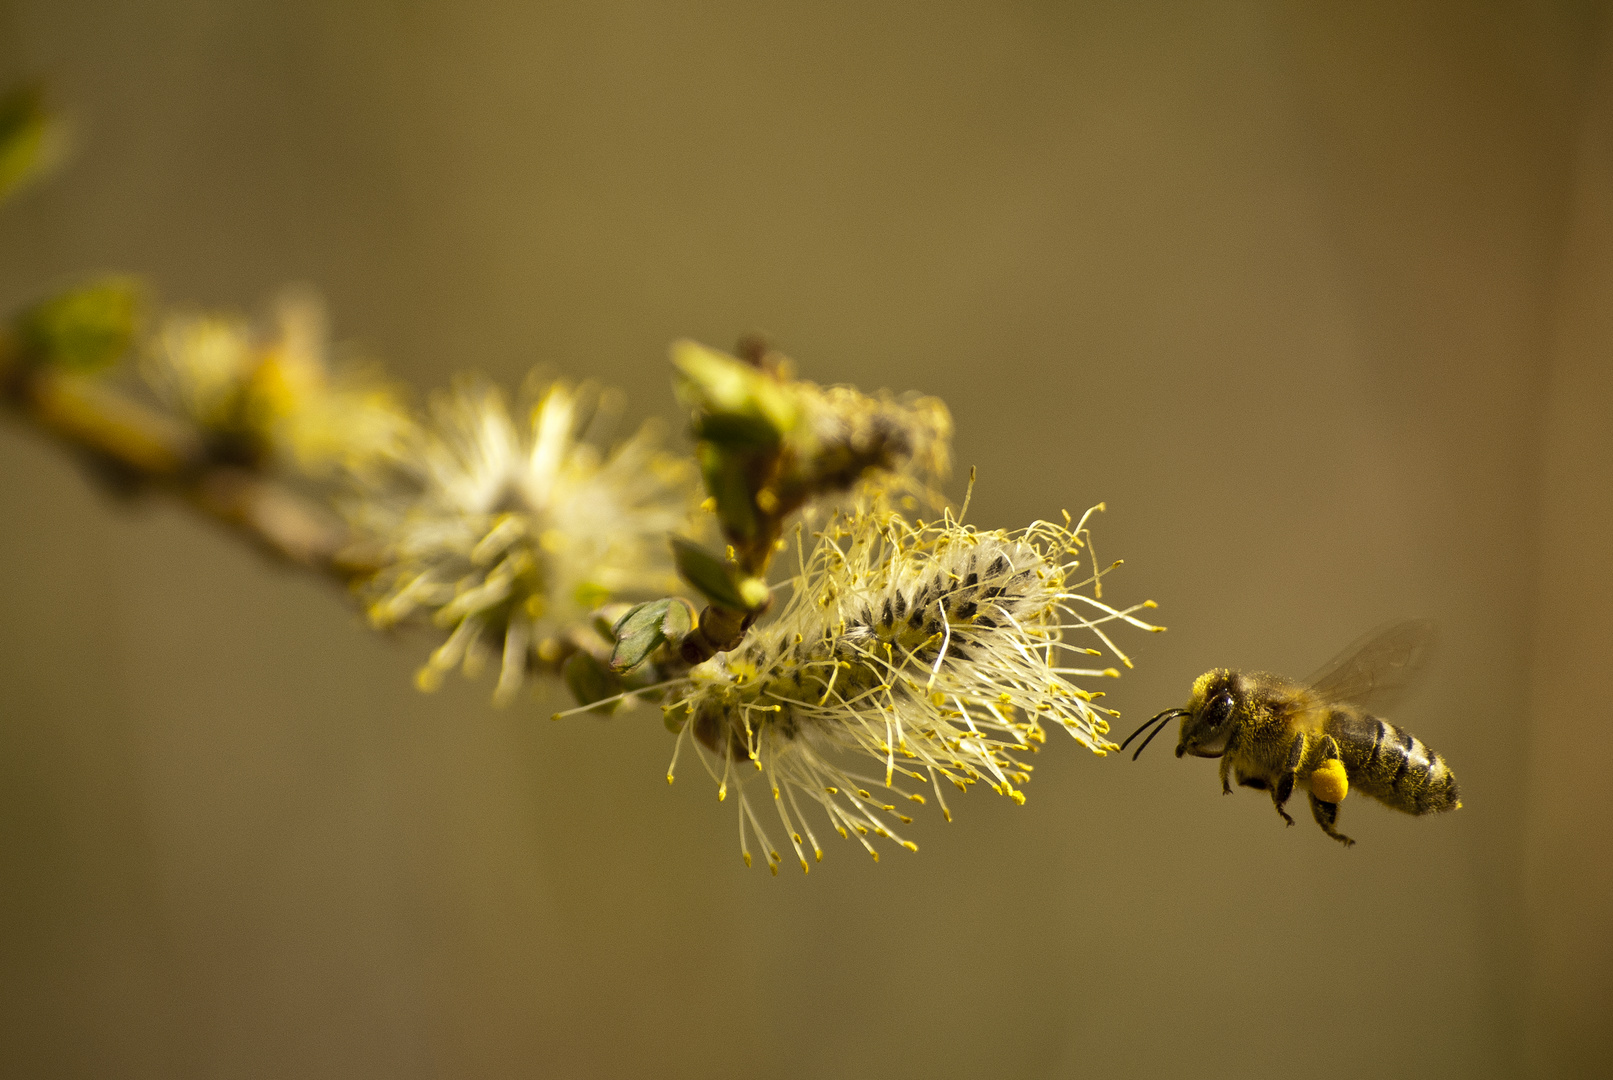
(933, 653)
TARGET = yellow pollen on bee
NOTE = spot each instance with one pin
(1329, 782)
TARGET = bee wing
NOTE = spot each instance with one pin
(1377, 669)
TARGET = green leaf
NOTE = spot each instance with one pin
(726, 483)
(25, 129)
(708, 574)
(85, 330)
(737, 402)
(639, 633)
(679, 620)
(590, 681)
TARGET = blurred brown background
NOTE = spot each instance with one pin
(1317, 297)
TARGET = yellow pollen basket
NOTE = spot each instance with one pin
(1329, 782)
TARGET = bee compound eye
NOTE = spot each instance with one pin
(1219, 708)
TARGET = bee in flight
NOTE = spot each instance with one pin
(1272, 733)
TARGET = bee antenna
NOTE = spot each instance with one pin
(1161, 720)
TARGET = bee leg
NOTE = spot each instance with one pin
(1330, 749)
(1284, 787)
(1280, 793)
(1327, 815)
(1227, 756)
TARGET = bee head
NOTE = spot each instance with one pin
(1207, 722)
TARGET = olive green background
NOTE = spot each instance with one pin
(1319, 298)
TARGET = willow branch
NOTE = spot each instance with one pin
(136, 448)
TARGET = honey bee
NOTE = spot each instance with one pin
(1272, 733)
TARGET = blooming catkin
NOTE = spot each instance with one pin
(936, 650)
(517, 533)
(269, 392)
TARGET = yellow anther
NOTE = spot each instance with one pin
(909, 845)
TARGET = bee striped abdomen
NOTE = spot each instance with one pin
(1392, 765)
